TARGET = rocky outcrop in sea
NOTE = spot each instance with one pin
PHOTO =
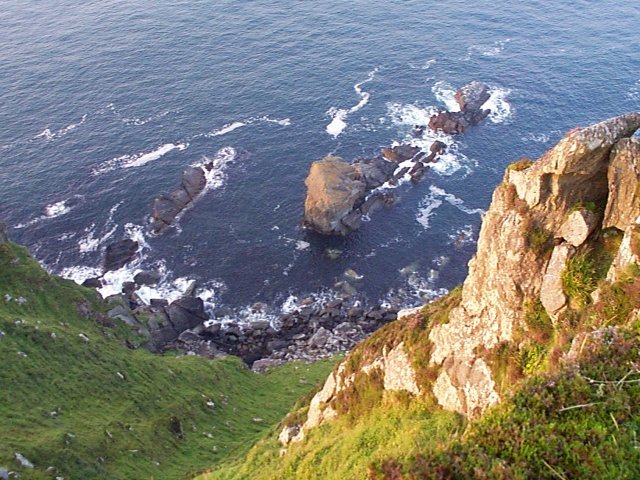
(340, 194)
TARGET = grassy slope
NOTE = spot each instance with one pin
(119, 411)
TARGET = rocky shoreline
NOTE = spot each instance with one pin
(317, 329)
(339, 196)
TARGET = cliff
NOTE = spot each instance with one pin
(552, 290)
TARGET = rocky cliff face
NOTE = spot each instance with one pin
(543, 216)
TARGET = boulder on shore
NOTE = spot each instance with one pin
(334, 189)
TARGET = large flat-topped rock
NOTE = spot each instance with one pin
(333, 189)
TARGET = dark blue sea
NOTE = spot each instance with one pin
(103, 105)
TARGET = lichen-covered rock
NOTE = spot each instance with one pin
(551, 293)
(509, 266)
(623, 207)
(398, 371)
(334, 187)
(578, 226)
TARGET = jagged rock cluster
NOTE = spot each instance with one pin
(339, 193)
(470, 98)
(540, 216)
(314, 331)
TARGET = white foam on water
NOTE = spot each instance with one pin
(230, 127)
(338, 123)
(285, 122)
(53, 210)
(48, 134)
(299, 244)
(536, 137)
(56, 209)
(427, 207)
(339, 115)
(302, 245)
(424, 66)
(492, 50)
(217, 175)
(462, 236)
(446, 95)
(406, 116)
(436, 197)
(498, 104)
(143, 121)
(138, 160)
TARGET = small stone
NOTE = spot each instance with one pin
(23, 461)
(83, 337)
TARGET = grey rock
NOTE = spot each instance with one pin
(551, 294)
(259, 325)
(193, 181)
(578, 227)
(23, 461)
(319, 339)
(166, 208)
(400, 153)
(353, 220)
(159, 302)
(118, 254)
(147, 278)
(189, 336)
(623, 209)
(186, 313)
(92, 283)
(4, 474)
(265, 364)
(124, 315)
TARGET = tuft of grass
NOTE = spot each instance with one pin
(588, 206)
(539, 325)
(539, 240)
(580, 278)
(520, 165)
(96, 409)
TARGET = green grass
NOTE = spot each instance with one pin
(97, 409)
(520, 165)
(340, 450)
